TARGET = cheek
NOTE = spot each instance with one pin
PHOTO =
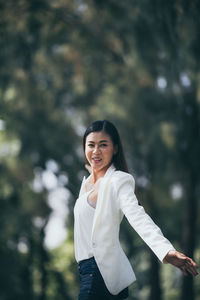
(109, 152)
(88, 152)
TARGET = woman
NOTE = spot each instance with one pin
(105, 197)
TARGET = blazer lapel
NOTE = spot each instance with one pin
(82, 186)
(100, 200)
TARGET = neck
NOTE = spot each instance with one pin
(96, 174)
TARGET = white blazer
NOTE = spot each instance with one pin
(116, 198)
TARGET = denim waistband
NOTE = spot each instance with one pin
(86, 260)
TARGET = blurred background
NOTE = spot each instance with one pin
(64, 64)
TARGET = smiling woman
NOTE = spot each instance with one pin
(99, 151)
(106, 134)
(105, 197)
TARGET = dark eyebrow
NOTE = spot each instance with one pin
(102, 141)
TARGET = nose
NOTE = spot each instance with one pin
(96, 149)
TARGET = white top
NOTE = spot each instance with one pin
(83, 220)
(116, 198)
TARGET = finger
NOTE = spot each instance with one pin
(183, 270)
(192, 270)
(190, 267)
(193, 263)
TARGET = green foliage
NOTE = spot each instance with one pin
(65, 64)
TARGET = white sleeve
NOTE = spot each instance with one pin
(139, 219)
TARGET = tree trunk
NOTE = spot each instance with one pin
(190, 159)
(189, 239)
(154, 277)
(154, 272)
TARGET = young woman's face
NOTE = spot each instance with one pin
(99, 150)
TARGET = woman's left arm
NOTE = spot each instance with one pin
(147, 229)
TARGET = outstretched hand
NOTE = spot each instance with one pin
(184, 263)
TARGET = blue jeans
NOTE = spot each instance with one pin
(92, 283)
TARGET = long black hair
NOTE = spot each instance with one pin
(118, 159)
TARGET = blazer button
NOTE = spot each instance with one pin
(93, 244)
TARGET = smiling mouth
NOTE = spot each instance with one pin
(97, 160)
